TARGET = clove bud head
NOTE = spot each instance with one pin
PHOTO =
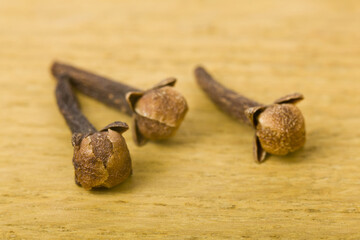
(158, 112)
(280, 127)
(101, 159)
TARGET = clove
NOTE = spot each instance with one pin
(101, 158)
(279, 127)
(157, 112)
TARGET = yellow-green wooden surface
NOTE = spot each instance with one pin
(203, 183)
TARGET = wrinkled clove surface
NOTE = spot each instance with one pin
(101, 158)
(279, 127)
(157, 112)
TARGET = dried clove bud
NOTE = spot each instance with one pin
(280, 127)
(101, 159)
(157, 112)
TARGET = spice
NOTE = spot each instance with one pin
(101, 158)
(157, 112)
(279, 127)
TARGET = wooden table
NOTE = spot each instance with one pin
(203, 183)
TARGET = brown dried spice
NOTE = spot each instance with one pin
(101, 159)
(157, 112)
(280, 127)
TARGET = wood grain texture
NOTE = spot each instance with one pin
(203, 184)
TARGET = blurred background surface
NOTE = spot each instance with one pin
(202, 184)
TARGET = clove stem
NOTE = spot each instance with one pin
(227, 100)
(101, 88)
(69, 107)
